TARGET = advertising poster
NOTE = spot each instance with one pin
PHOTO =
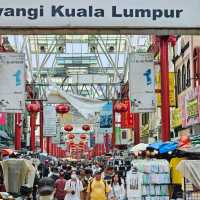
(190, 107)
(50, 121)
(106, 116)
(142, 83)
(12, 83)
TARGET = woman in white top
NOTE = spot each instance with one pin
(118, 189)
(73, 188)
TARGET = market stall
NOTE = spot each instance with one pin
(148, 179)
(191, 183)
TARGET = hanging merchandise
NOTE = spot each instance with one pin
(155, 179)
(134, 184)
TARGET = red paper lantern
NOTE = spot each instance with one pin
(68, 128)
(62, 108)
(71, 143)
(73, 146)
(86, 127)
(83, 136)
(81, 146)
(81, 143)
(71, 136)
(33, 108)
(121, 107)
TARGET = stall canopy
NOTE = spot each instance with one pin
(193, 151)
(190, 170)
(164, 147)
(139, 147)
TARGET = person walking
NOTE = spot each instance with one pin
(60, 187)
(54, 174)
(98, 189)
(117, 188)
(74, 188)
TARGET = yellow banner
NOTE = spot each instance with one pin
(176, 118)
(171, 89)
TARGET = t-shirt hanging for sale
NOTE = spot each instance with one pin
(134, 183)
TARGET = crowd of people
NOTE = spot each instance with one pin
(64, 181)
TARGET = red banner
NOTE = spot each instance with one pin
(127, 117)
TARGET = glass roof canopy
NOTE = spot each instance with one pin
(86, 64)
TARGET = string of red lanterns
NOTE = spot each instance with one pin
(83, 136)
(33, 108)
(71, 136)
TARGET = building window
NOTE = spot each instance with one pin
(188, 75)
(145, 118)
(179, 81)
(183, 78)
(196, 70)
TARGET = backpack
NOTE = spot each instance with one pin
(92, 182)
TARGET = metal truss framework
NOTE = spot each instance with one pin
(102, 91)
(105, 55)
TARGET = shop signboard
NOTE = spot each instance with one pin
(176, 118)
(190, 107)
(12, 83)
(100, 14)
(50, 121)
(142, 82)
(172, 98)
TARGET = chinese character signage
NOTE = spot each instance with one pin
(172, 99)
